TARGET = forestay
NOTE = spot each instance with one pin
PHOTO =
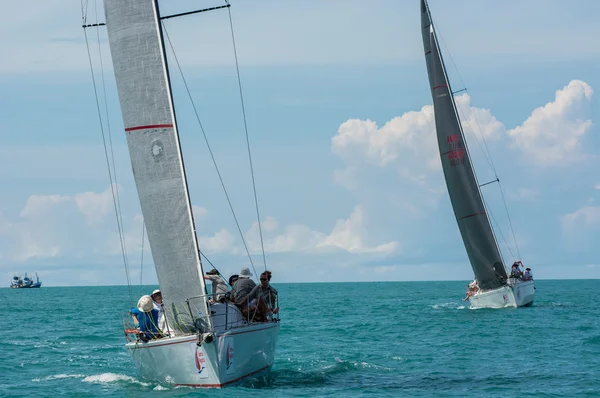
(141, 72)
(463, 188)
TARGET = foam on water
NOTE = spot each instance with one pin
(107, 378)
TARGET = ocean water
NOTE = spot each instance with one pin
(413, 339)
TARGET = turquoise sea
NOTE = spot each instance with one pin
(413, 339)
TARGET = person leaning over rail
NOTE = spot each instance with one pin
(147, 317)
(219, 287)
(515, 271)
(266, 298)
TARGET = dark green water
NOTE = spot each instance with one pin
(411, 339)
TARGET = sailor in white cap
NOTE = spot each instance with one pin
(242, 287)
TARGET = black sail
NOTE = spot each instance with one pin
(463, 189)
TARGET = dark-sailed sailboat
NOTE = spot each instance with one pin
(494, 287)
(207, 343)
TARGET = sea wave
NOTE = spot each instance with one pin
(108, 378)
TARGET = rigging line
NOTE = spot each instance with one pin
(209, 147)
(84, 6)
(237, 67)
(438, 34)
(120, 223)
(509, 220)
(502, 235)
(491, 159)
(112, 152)
(212, 265)
(474, 134)
(487, 154)
(107, 159)
(142, 260)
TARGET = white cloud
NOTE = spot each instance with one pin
(96, 206)
(198, 212)
(65, 226)
(222, 241)
(478, 121)
(80, 226)
(598, 186)
(412, 132)
(584, 216)
(581, 229)
(525, 194)
(407, 146)
(295, 237)
(553, 132)
(408, 140)
(347, 235)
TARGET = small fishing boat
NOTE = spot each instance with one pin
(25, 282)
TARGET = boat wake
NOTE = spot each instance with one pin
(311, 375)
(57, 377)
(449, 305)
(110, 378)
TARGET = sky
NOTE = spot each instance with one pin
(342, 133)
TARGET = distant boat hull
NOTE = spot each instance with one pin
(35, 285)
(516, 294)
(231, 357)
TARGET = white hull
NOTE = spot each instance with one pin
(516, 294)
(232, 356)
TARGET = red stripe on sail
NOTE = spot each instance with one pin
(473, 215)
(440, 86)
(428, 52)
(152, 126)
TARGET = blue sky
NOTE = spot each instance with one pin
(341, 127)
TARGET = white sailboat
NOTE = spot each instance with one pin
(207, 345)
(495, 288)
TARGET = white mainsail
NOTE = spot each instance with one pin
(141, 72)
(214, 343)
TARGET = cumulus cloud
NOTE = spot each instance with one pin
(222, 241)
(55, 225)
(553, 133)
(584, 216)
(524, 194)
(347, 235)
(95, 206)
(478, 121)
(198, 212)
(409, 139)
(412, 132)
(81, 226)
(581, 228)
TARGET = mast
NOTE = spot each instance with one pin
(143, 83)
(461, 181)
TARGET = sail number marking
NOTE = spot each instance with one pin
(456, 151)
